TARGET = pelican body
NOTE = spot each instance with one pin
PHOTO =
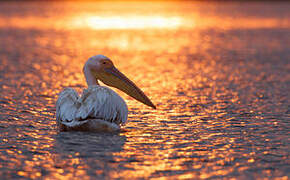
(99, 108)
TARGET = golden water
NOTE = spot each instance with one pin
(217, 72)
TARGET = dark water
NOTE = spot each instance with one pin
(218, 73)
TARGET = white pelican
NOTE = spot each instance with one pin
(98, 108)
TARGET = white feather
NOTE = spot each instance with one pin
(97, 102)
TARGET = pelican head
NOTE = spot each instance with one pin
(101, 68)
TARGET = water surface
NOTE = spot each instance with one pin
(217, 72)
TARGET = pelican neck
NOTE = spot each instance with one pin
(90, 78)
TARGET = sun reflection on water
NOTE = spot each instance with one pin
(126, 22)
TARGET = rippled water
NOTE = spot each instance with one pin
(218, 73)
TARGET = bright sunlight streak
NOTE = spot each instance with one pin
(129, 22)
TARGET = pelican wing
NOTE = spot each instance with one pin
(100, 102)
(67, 106)
(98, 106)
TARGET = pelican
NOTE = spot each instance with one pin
(99, 108)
